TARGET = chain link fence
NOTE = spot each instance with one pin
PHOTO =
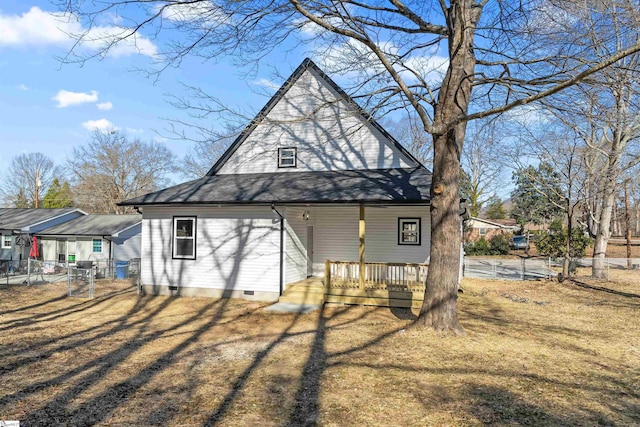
(508, 269)
(541, 268)
(613, 268)
(81, 280)
(34, 271)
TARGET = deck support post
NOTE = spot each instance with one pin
(327, 276)
(361, 258)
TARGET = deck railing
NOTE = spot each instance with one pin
(378, 275)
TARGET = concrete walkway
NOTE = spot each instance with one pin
(289, 307)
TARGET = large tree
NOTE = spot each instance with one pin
(28, 179)
(447, 62)
(112, 168)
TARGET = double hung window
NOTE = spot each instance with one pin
(184, 237)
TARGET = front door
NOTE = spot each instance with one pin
(309, 251)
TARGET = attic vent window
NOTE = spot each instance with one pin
(409, 231)
(287, 157)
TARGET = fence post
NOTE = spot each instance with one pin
(522, 269)
(550, 275)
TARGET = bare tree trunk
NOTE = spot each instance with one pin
(627, 220)
(441, 293)
(439, 306)
(603, 235)
(567, 256)
(615, 220)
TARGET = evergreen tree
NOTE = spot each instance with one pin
(58, 196)
(537, 194)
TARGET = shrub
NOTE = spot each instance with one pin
(481, 247)
(499, 245)
(554, 243)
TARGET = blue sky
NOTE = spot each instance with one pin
(50, 108)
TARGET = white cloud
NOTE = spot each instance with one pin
(269, 84)
(134, 130)
(41, 29)
(66, 98)
(105, 105)
(429, 65)
(22, 86)
(100, 124)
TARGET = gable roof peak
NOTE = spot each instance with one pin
(306, 64)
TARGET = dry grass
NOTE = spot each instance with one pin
(535, 353)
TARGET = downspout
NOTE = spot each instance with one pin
(274, 210)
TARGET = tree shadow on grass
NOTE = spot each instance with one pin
(498, 406)
(603, 289)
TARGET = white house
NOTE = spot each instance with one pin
(312, 187)
(17, 225)
(93, 238)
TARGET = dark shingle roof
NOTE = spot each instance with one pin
(93, 225)
(18, 218)
(352, 186)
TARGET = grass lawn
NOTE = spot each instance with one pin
(535, 353)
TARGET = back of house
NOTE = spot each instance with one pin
(305, 182)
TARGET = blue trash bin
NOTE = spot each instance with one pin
(121, 269)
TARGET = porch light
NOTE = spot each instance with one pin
(306, 215)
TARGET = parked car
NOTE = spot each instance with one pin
(518, 242)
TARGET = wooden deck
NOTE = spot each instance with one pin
(384, 284)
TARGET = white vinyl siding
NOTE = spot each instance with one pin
(336, 235)
(81, 247)
(328, 135)
(296, 245)
(127, 245)
(238, 248)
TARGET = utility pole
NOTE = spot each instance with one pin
(37, 186)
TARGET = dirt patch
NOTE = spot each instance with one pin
(535, 353)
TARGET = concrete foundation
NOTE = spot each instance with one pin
(209, 293)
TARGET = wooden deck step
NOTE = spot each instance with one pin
(310, 291)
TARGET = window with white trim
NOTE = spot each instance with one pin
(97, 246)
(7, 240)
(184, 237)
(409, 231)
(287, 157)
(482, 231)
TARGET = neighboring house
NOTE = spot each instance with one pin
(17, 226)
(312, 178)
(475, 228)
(93, 238)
